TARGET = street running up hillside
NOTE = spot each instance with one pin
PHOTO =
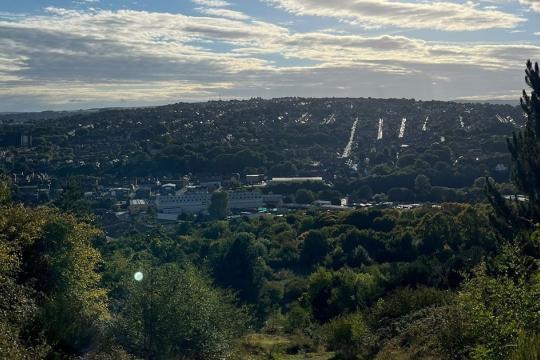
(348, 147)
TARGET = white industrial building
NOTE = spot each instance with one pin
(294, 180)
(274, 200)
(194, 200)
(190, 201)
(245, 200)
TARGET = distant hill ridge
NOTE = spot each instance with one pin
(55, 114)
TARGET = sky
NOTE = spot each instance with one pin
(79, 54)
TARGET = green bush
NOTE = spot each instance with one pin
(528, 347)
(174, 313)
(349, 336)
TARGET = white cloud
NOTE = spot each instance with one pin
(533, 4)
(96, 37)
(68, 53)
(57, 93)
(511, 95)
(439, 15)
(225, 13)
(211, 3)
(70, 58)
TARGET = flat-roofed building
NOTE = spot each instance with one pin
(197, 200)
(274, 200)
(254, 178)
(137, 206)
(245, 200)
(191, 202)
(294, 180)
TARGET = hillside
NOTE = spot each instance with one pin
(184, 138)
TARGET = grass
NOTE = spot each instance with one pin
(275, 347)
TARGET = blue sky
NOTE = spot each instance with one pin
(72, 54)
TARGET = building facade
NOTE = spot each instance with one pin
(198, 201)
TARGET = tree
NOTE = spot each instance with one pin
(528, 347)
(72, 199)
(349, 336)
(435, 232)
(50, 287)
(422, 186)
(304, 196)
(499, 308)
(364, 192)
(385, 223)
(247, 158)
(315, 247)
(64, 263)
(334, 293)
(219, 205)
(5, 191)
(333, 196)
(284, 169)
(406, 160)
(501, 300)
(243, 267)
(475, 229)
(400, 194)
(524, 149)
(175, 312)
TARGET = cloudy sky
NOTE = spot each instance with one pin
(73, 54)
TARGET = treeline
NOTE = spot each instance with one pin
(321, 277)
(363, 284)
(60, 299)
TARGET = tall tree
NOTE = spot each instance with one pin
(5, 191)
(304, 196)
(219, 205)
(314, 248)
(524, 147)
(49, 283)
(243, 267)
(176, 313)
(73, 200)
(422, 186)
(501, 300)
